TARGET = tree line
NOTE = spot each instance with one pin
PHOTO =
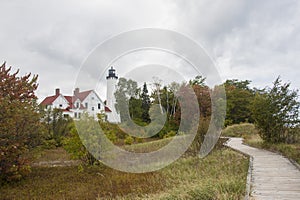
(24, 126)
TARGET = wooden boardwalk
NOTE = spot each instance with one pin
(272, 175)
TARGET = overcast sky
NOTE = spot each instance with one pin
(251, 39)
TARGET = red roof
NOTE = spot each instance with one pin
(49, 100)
(71, 99)
(81, 95)
(107, 109)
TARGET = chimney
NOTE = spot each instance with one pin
(57, 92)
(76, 91)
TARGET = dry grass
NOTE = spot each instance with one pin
(147, 146)
(221, 175)
(69, 183)
(239, 130)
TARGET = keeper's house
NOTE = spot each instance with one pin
(86, 101)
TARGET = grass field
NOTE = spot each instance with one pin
(221, 175)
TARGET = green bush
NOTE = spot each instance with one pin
(73, 145)
(139, 140)
(128, 140)
(170, 134)
(111, 136)
(109, 128)
(276, 113)
(50, 144)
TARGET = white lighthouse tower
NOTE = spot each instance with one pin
(112, 80)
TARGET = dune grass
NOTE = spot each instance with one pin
(240, 130)
(221, 175)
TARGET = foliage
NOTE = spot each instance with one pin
(170, 134)
(145, 104)
(135, 109)
(198, 80)
(129, 140)
(126, 90)
(276, 112)
(167, 99)
(201, 132)
(203, 95)
(112, 131)
(239, 97)
(212, 112)
(111, 136)
(20, 128)
(74, 146)
(57, 125)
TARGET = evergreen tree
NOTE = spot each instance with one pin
(276, 112)
(145, 104)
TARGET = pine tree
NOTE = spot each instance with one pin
(276, 112)
(145, 104)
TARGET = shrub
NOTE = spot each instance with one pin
(57, 125)
(129, 140)
(111, 136)
(201, 132)
(276, 112)
(20, 127)
(170, 134)
(50, 144)
(139, 140)
(75, 147)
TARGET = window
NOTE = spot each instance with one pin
(66, 115)
(79, 115)
(77, 105)
(86, 105)
(75, 115)
(60, 105)
(92, 108)
(92, 98)
(99, 106)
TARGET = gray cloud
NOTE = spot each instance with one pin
(255, 40)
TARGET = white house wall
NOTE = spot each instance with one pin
(60, 102)
(92, 101)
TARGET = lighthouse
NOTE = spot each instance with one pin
(112, 80)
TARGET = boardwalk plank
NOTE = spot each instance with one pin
(273, 176)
